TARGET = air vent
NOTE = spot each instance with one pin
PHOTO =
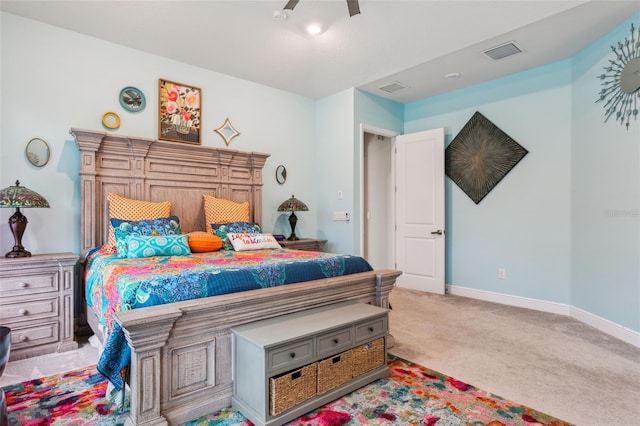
(393, 87)
(502, 51)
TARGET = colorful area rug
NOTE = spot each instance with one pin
(413, 395)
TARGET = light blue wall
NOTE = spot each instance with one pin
(334, 169)
(53, 80)
(523, 224)
(564, 222)
(605, 220)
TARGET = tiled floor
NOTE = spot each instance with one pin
(46, 365)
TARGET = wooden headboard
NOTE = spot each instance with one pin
(153, 170)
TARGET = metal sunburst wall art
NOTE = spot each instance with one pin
(621, 80)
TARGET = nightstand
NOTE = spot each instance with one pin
(309, 244)
(37, 303)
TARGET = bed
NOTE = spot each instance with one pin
(181, 352)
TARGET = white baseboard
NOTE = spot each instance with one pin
(616, 330)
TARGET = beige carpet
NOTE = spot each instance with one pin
(549, 362)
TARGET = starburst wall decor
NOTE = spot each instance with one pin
(621, 81)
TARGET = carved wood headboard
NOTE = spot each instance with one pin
(153, 170)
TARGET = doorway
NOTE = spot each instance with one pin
(402, 205)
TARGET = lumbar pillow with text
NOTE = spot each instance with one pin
(243, 242)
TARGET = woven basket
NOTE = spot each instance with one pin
(334, 371)
(292, 388)
(368, 357)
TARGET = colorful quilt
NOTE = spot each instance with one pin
(114, 284)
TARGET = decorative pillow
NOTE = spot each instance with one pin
(162, 245)
(201, 242)
(128, 209)
(222, 229)
(150, 227)
(218, 210)
(243, 242)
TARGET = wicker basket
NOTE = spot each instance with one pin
(368, 357)
(334, 371)
(292, 388)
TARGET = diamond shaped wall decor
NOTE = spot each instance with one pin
(480, 156)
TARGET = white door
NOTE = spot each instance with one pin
(420, 210)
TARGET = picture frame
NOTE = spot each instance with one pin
(179, 112)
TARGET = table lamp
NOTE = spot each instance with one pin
(20, 197)
(293, 205)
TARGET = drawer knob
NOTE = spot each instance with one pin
(22, 338)
(370, 329)
(24, 284)
(336, 341)
(292, 354)
(23, 311)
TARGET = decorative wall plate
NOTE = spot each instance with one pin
(37, 152)
(111, 120)
(281, 174)
(132, 99)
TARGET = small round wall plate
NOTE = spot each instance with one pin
(111, 120)
(281, 174)
(37, 152)
(132, 99)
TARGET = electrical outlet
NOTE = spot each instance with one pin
(502, 273)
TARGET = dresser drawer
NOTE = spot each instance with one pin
(334, 342)
(29, 310)
(39, 334)
(372, 328)
(290, 356)
(40, 282)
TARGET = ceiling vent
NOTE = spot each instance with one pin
(393, 87)
(502, 51)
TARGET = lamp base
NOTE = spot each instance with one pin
(293, 219)
(18, 223)
(18, 253)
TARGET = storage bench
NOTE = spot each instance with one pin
(286, 366)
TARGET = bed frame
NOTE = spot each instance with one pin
(181, 352)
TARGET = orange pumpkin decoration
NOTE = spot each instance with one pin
(201, 242)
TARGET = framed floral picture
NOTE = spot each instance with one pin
(179, 112)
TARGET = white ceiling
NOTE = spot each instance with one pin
(412, 42)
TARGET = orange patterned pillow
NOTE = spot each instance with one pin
(128, 209)
(218, 210)
(201, 242)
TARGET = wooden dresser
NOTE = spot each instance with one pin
(37, 303)
(309, 244)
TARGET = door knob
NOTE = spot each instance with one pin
(438, 232)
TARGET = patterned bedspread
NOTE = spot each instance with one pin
(114, 284)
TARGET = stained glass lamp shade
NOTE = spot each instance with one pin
(20, 197)
(293, 205)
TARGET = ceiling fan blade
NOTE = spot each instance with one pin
(353, 6)
(291, 4)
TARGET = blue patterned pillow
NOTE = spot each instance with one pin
(150, 227)
(163, 245)
(222, 229)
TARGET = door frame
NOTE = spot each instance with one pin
(365, 128)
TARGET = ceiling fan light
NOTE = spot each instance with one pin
(314, 29)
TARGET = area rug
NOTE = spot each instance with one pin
(412, 395)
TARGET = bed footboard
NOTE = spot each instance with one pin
(181, 352)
